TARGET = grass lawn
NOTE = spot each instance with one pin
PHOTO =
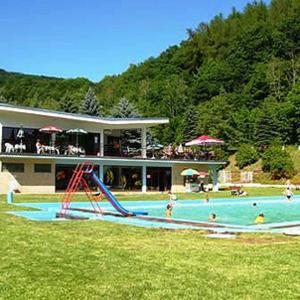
(98, 260)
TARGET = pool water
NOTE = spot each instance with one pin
(235, 212)
(230, 211)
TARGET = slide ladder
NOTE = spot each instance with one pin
(76, 182)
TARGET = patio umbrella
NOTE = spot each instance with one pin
(203, 174)
(155, 146)
(204, 140)
(51, 129)
(189, 172)
(77, 131)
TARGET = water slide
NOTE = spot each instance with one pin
(112, 199)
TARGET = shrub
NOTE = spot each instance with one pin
(278, 162)
(246, 155)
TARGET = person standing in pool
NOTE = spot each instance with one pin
(172, 198)
(288, 194)
(169, 211)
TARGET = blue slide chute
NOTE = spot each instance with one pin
(112, 199)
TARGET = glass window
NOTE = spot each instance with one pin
(42, 168)
(13, 167)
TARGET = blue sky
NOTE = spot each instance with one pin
(94, 38)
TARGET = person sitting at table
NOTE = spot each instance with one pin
(39, 147)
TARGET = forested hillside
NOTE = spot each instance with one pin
(41, 91)
(236, 78)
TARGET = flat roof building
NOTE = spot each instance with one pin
(41, 161)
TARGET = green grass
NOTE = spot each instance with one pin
(99, 260)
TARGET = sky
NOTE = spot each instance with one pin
(95, 38)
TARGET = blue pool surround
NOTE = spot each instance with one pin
(234, 214)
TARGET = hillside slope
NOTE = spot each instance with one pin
(263, 177)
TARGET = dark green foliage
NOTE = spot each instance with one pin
(278, 162)
(69, 105)
(3, 99)
(246, 155)
(90, 104)
(40, 91)
(190, 124)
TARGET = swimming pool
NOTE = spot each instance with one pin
(232, 213)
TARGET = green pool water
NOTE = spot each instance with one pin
(235, 212)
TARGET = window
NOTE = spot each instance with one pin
(42, 168)
(13, 167)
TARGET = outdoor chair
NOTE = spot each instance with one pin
(20, 147)
(9, 148)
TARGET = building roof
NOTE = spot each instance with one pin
(81, 117)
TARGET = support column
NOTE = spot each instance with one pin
(144, 179)
(144, 142)
(214, 172)
(101, 150)
(101, 175)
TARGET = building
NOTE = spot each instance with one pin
(39, 162)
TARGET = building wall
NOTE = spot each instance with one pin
(28, 182)
(178, 180)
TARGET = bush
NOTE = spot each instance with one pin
(278, 162)
(246, 155)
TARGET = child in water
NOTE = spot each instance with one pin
(212, 217)
(260, 219)
(172, 198)
(169, 211)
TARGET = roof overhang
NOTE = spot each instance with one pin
(147, 122)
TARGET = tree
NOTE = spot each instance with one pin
(90, 104)
(278, 162)
(246, 155)
(3, 99)
(68, 105)
(125, 109)
(130, 138)
(190, 124)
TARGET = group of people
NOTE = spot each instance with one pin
(259, 219)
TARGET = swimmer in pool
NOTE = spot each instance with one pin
(212, 218)
(288, 194)
(260, 219)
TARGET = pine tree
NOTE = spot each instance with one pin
(90, 104)
(190, 124)
(124, 109)
(68, 105)
(130, 138)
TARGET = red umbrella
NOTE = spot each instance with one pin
(203, 174)
(52, 130)
(204, 140)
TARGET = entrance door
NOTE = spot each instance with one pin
(159, 179)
